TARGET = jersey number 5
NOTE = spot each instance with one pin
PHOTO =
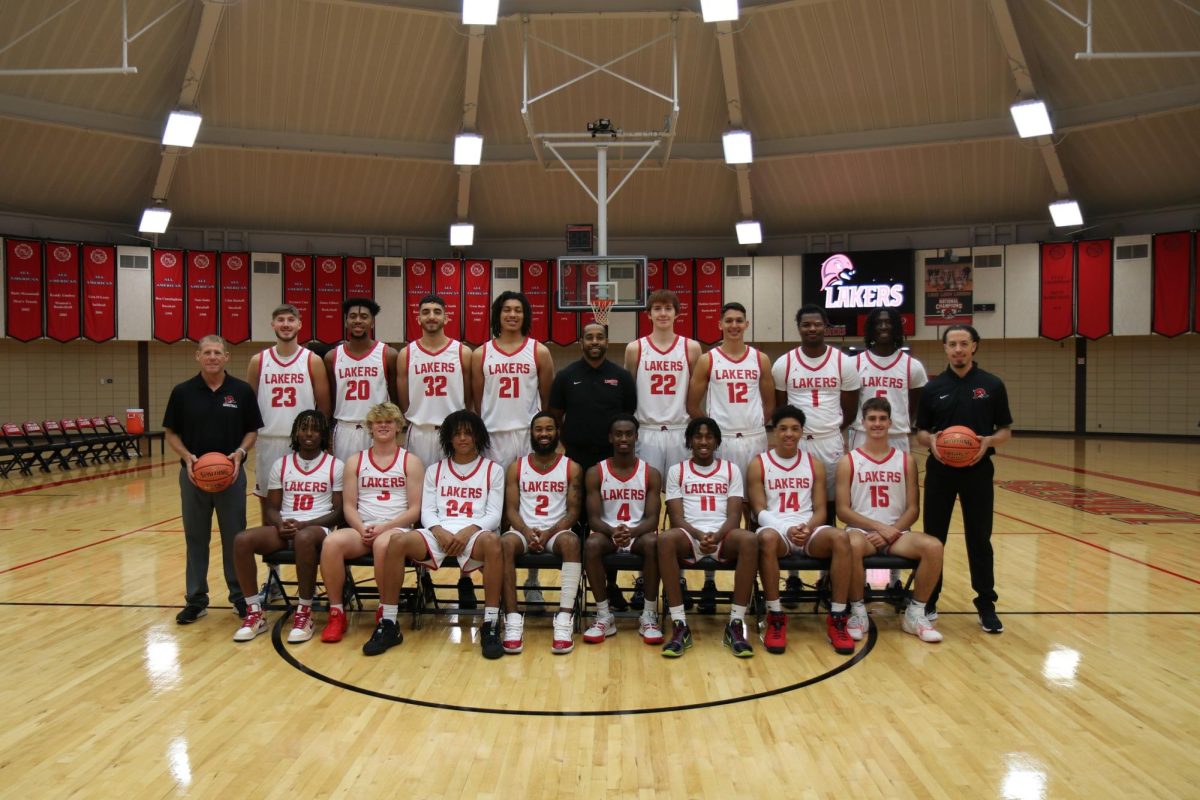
(879, 497)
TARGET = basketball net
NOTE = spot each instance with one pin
(601, 306)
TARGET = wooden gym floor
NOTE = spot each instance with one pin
(1090, 692)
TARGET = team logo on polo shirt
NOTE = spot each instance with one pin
(229, 402)
(979, 394)
(612, 381)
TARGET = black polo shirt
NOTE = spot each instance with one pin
(208, 420)
(977, 400)
(589, 398)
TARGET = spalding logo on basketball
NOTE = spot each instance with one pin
(328, 266)
(62, 254)
(201, 261)
(99, 256)
(448, 269)
(418, 268)
(708, 267)
(213, 472)
(535, 270)
(477, 269)
(234, 262)
(168, 259)
(297, 265)
(358, 266)
(23, 251)
(957, 445)
(679, 268)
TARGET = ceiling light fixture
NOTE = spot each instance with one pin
(181, 130)
(468, 149)
(719, 10)
(749, 232)
(462, 234)
(1032, 118)
(480, 12)
(155, 220)
(739, 148)
(1066, 213)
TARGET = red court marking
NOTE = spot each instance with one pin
(1082, 471)
(27, 489)
(92, 544)
(1100, 547)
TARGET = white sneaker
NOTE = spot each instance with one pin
(931, 617)
(857, 626)
(514, 637)
(648, 627)
(533, 591)
(252, 626)
(564, 636)
(601, 629)
(302, 626)
(918, 625)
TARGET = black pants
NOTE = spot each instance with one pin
(972, 485)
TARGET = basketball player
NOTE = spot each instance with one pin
(964, 394)
(878, 497)
(460, 508)
(786, 489)
(362, 374)
(661, 365)
(623, 510)
(887, 371)
(704, 505)
(432, 380)
(820, 381)
(382, 497)
(304, 501)
(543, 495)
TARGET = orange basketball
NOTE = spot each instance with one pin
(213, 472)
(957, 445)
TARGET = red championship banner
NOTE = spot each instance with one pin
(418, 282)
(710, 295)
(535, 285)
(327, 285)
(477, 291)
(679, 281)
(654, 281)
(298, 290)
(201, 294)
(564, 325)
(1057, 318)
(62, 291)
(235, 297)
(447, 284)
(167, 299)
(1170, 283)
(1094, 292)
(99, 292)
(23, 289)
(1196, 284)
(360, 277)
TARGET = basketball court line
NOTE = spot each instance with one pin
(86, 546)
(51, 485)
(1097, 474)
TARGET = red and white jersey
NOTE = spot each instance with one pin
(662, 381)
(816, 386)
(458, 495)
(543, 494)
(361, 383)
(623, 502)
(382, 488)
(891, 378)
(510, 386)
(285, 388)
(308, 486)
(788, 485)
(734, 399)
(705, 491)
(435, 383)
(879, 489)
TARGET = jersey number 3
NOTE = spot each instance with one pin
(435, 385)
(283, 396)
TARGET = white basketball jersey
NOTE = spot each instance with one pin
(891, 381)
(510, 387)
(461, 497)
(734, 398)
(816, 386)
(435, 383)
(788, 485)
(285, 388)
(307, 487)
(879, 489)
(623, 502)
(705, 494)
(361, 383)
(662, 383)
(543, 494)
(382, 488)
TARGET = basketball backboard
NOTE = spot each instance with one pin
(580, 280)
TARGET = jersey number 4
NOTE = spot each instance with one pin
(457, 509)
(789, 501)
(283, 396)
(662, 384)
(435, 385)
(623, 514)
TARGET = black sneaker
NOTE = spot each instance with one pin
(466, 594)
(735, 639)
(638, 600)
(616, 600)
(490, 640)
(791, 590)
(708, 598)
(387, 634)
(687, 596)
(239, 608)
(681, 639)
(190, 614)
(988, 621)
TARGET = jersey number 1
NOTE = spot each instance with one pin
(510, 387)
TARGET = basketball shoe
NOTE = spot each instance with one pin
(564, 635)
(386, 634)
(835, 628)
(302, 626)
(252, 626)
(638, 600)
(602, 628)
(648, 627)
(335, 628)
(990, 622)
(466, 594)
(489, 640)
(735, 639)
(857, 626)
(681, 639)
(918, 625)
(775, 636)
(514, 637)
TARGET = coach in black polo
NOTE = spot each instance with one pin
(965, 395)
(212, 412)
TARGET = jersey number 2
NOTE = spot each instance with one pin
(510, 387)
(358, 390)
(283, 396)
(435, 385)
(662, 384)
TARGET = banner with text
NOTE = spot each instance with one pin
(201, 294)
(62, 291)
(680, 281)
(298, 290)
(1094, 289)
(360, 277)
(710, 296)
(168, 301)
(327, 287)
(535, 285)
(418, 282)
(235, 297)
(23, 289)
(1057, 294)
(447, 284)
(655, 280)
(99, 292)
(477, 291)
(949, 291)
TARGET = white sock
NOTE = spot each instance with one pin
(254, 602)
(562, 618)
(775, 606)
(916, 609)
(678, 614)
(513, 620)
(571, 572)
(305, 602)
(858, 608)
(737, 613)
(491, 614)
(336, 607)
(837, 608)
(390, 612)
(602, 611)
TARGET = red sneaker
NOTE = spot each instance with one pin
(775, 636)
(335, 629)
(839, 637)
(379, 614)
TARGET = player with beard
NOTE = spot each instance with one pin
(431, 380)
(362, 374)
(542, 499)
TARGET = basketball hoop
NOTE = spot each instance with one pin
(600, 308)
